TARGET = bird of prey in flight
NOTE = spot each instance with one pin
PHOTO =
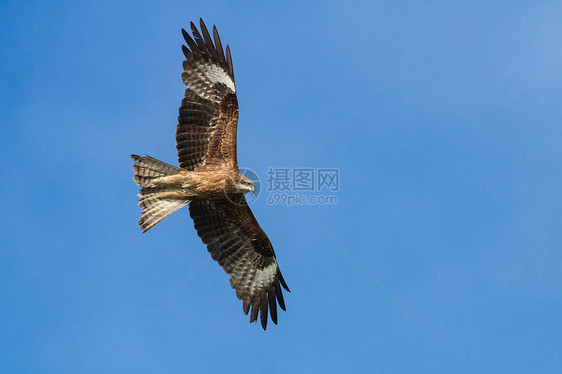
(208, 178)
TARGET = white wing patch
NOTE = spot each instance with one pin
(249, 281)
(266, 276)
(218, 75)
(202, 78)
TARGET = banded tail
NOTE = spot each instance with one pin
(156, 200)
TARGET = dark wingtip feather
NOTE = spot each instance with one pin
(246, 306)
(283, 282)
(203, 28)
(199, 40)
(185, 34)
(186, 51)
(272, 306)
(192, 45)
(263, 312)
(208, 41)
(254, 313)
(279, 294)
(229, 62)
(218, 45)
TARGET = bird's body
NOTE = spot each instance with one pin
(209, 180)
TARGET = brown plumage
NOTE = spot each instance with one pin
(209, 181)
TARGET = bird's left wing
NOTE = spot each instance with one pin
(237, 242)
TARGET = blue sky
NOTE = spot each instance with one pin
(450, 188)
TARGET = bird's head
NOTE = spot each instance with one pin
(246, 185)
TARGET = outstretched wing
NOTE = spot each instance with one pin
(206, 131)
(237, 242)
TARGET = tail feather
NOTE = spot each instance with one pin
(155, 208)
(148, 168)
(156, 202)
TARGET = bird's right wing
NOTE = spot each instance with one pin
(208, 116)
